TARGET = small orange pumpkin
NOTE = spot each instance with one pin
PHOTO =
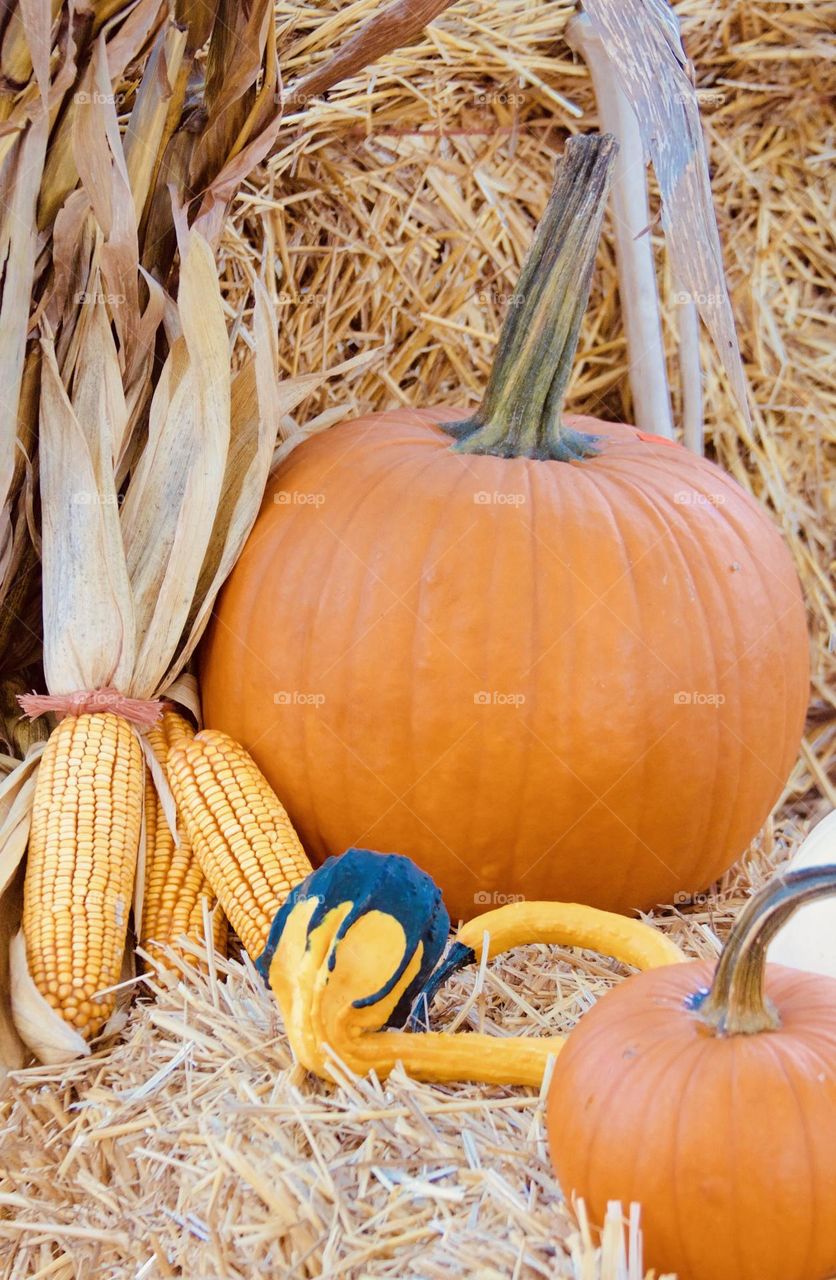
(554, 659)
(715, 1111)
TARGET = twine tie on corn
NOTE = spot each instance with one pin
(141, 712)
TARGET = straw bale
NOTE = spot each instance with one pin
(393, 218)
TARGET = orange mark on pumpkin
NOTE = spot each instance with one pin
(651, 439)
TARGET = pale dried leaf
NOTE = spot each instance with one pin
(184, 692)
(131, 35)
(172, 502)
(37, 25)
(18, 242)
(256, 407)
(16, 791)
(139, 380)
(70, 262)
(147, 123)
(293, 390)
(88, 613)
(48, 1036)
(100, 161)
(98, 397)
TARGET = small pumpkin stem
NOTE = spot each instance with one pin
(736, 1003)
(520, 414)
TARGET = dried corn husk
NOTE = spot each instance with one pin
(158, 419)
(16, 791)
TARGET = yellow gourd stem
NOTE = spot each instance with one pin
(445, 1056)
(570, 924)
(567, 924)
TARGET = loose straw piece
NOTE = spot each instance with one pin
(690, 372)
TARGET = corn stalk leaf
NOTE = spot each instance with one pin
(255, 420)
(88, 612)
(397, 24)
(172, 500)
(259, 404)
(16, 791)
(147, 124)
(18, 242)
(98, 395)
(100, 160)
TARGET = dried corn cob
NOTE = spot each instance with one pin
(239, 831)
(175, 885)
(83, 846)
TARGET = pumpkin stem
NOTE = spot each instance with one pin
(736, 1003)
(520, 413)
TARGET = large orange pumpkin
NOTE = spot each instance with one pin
(716, 1113)
(580, 679)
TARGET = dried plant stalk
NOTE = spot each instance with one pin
(631, 222)
(151, 472)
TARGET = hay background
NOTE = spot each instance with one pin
(393, 219)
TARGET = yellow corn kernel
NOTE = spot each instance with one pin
(83, 847)
(175, 886)
(239, 831)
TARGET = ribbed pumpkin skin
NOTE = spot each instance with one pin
(728, 1144)
(379, 579)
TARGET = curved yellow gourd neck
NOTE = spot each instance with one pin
(322, 977)
(443, 1057)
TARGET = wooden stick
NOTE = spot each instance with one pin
(633, 248)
